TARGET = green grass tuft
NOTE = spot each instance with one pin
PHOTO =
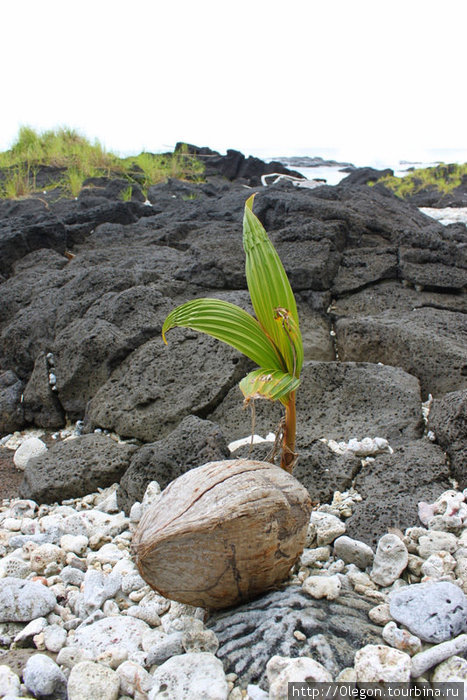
(67, 149)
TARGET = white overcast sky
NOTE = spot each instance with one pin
(361, 80)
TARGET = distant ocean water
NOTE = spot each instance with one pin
(333, 174)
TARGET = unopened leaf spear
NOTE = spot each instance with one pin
(272, 339)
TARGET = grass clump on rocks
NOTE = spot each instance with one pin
(444, 178)
(75, 159)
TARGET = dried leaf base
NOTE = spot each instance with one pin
(223, 533)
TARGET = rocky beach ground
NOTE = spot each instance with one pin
(86, 285)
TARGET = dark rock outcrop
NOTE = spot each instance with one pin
(362, 176)
(448, 420)
(75, 468)
(192, 443)
(41, 405)
(426, 342)
(336, 401)
(11, 409)
(393, 485)
(234, 165)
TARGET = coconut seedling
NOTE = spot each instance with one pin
(226, 531)
(272, 339)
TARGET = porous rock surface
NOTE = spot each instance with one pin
(75, 468)
(332, 630)
(162, 461)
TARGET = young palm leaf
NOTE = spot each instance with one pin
(272, 339)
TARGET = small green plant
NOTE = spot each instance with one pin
(73, 181)
(126, 194)
(272, 339)
(16, 183)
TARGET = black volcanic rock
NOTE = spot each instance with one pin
(234, 165)
(11, 410)
(393, 484)
(193, 442)
(448, 420)
(362, 176)
(91, 281)
(75, 468)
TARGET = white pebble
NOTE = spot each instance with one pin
(328, 587)
(9, 682)
(190, 676)
(54, 638)
(451, 670)
(435, 541)
(401, 639)
(435, 655)
(34, 627)
(133, 677)
(390, 560)
(377, 663)
(33, 447)
(325, 528)
(42, 676)
(74, 543)
(90, 680)
(46, 554)
(282, 670)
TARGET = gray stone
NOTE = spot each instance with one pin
(336, 400)
(400, 339)
(448, 420)
(200, 640)
(97, 588)
(425, 660)
(435, 612)
(41, 404)
(392, 296)
(193, 442)
(391, 559)
(360, 267)
(75, 468)
(22, 601)
(168, 645)
(111, 328)
(44, 678)
(155, 387)
(353, 552)
(392, 486)
(11, 409)
(249, 635)
(436, 541)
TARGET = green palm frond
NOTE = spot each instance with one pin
(263, 384)
(270, 292)
(229, 323)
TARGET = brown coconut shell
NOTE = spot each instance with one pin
(223, 533)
